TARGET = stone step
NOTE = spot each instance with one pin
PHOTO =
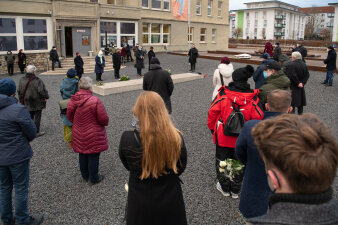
(132, 85)
(63, 70)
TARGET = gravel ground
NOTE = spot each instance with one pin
(56, 189)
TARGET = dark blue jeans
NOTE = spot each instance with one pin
(18, 176)
(139, 71)
(53, 63)
(89, 166)
(329, 77)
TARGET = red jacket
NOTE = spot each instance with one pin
(123, 52)
(220, 109)
(89, 118)
(268, 48)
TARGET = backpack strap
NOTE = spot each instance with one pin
(221, 76)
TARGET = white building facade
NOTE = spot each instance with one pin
(270, 20)
(335, 22)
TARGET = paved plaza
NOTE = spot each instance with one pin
(56, 189)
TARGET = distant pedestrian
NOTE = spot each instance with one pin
(78, 65)
(330, 62)
(294, 48)
(222, 75)
(236, 95)
(123, 55)
(155, 155)
(284, 60)
(10, 58)
(89, 118)
(128, 53)
(117, 63)
(277, 52)
(255, 193)
(159, 81)
(193, 55)
(53, 55)
(69, 87)
(17, 130)
(139, 65)
(22, 61)
(33, 94)
(302, 50)
(258, 75)
(298, 74)
(151, 54)
(99, 65)
(268, 48)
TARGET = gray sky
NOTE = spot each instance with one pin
(238, 4)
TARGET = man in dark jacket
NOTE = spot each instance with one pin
(302, 50)
(17, 130)
(258, 76)
(159, 81)
(193, 55)
(298, 74)
(277, 52)
(117, 63)
(255, 189)
(78, 65)
(33, 94)
(300, 154)
(22, 61)
(330, 62)
(275, 79)
(10, 58)
(151, 54)
(128, 53)
(53, 55)
(139, 65)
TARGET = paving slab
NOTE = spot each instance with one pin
(132, 85)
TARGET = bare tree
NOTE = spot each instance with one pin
(237, 32)
(325, 34)
(313, 22)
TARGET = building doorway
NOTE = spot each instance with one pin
(69, 41)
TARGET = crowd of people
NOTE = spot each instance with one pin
(289, 160)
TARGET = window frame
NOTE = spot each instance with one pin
(219, 9)
(203, 35)
(213, 35)
(149, 33)
(163, 5)
(159, 9)
(145, 7)
(210, 7)
(191, 34)
(200, 7)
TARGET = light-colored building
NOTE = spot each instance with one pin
(335, 23)
(319, 18)
(270, 20)
(83, 25)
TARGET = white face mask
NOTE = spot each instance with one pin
(328, 49)
(135, 123)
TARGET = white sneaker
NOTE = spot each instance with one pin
(234, 196)
(218, 187)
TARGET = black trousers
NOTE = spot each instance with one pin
(299, 109)
(36, 117)
(10, 68)
(129, 56)
(117, 72)
(227, 185)
(192, 66)
(22, 68)
(98, 76)
(89, 166)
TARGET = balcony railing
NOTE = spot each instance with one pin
(329, 25)
(279, 34)
(279, 25)
(280, 17)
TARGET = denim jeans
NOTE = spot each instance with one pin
(329, 77)
(53, 63)
(139, 71)
(89, 166)
(18, 176)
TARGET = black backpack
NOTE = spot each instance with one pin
(235, 122)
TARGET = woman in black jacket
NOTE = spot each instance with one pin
(155, 156)
(22, 61)
(78, 65)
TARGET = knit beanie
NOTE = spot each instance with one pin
(330, 47)
(243, 74)
(71, 73)
(154, 60)
(7, 86)
(225, 60)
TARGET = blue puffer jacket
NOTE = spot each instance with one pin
(99, 67)
(68, 88)
(17, 130)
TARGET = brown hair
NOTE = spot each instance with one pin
(161, 141)
(303, 148)
(279, 100)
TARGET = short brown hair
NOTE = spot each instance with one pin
(279, 100)
(302, 147)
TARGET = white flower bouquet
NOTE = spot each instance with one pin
(230, 168)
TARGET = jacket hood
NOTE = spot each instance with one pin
(7, 101)
(279, 79)
(241, 98)
(81, 97)
(226, 70)
(155, 67)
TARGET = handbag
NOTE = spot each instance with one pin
(63, 106)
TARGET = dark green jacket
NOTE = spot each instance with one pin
(276, 81)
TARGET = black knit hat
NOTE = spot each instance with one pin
(330, 47)
(272, 65)
(154, 60)
(243, 74)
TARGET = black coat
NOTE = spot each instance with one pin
(53, 55)
(331, 59)
(151, 54)
(152, 201)
(22, 59)
(159, 81)
(297, 72)
(116, 60)
(276, 53)
(193, 55)
(78, 62)
(139, 54)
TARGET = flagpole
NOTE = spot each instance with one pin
(189, 25)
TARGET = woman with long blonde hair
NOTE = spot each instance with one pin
(155, 155)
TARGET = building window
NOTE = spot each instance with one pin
(145, 4)
(248, 23)
(35, 34)
(110, 28)
(247, 15)
(111, 2)
(198, 7)
(213, 36)
(166, 5)
(256, 15)
(264, 15)
(166, 32)
(127, 31)
(155, 33)
(191, 35)
(145, 33)
(156, 4)
(209, 7)
(265, 23)
(203, 34)
(256, 23)
(127, 28)
(219, 12)
(255, 31)
(8, 34)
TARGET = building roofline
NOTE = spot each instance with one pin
(333, 4)
(237, 10)
(317, 9)
(276, 1)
